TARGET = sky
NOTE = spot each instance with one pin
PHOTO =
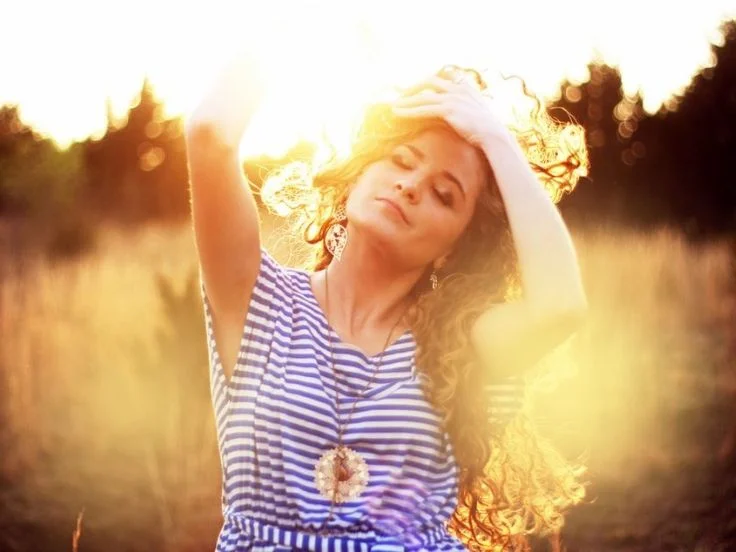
(63, 62)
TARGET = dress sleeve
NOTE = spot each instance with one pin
(505, 399)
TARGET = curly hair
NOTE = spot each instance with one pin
(512, 481)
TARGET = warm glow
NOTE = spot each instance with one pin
(329, 56)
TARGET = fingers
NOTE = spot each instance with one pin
(426, 110)
(434, 82)
(425, 101)
(424, 97)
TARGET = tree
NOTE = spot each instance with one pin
(36, 177)
(138, 171)
(672, 167)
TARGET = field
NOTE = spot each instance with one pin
(105, 416)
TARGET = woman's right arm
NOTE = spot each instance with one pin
(224, 212)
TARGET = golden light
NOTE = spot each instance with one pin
(327, 57)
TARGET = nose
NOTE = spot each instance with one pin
(407, 187)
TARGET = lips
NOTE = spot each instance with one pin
(395, 206)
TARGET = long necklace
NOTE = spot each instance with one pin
(341, 473)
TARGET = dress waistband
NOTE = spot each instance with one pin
(286, 539)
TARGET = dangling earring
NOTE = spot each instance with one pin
(433, 279)
(337, 235)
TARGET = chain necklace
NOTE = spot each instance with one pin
(341, 473)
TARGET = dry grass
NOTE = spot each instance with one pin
(659, 341)
(105, 400)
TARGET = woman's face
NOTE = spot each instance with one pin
(435, 179)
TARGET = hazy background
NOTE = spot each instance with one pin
(104, 399)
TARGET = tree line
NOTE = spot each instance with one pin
(671, 167)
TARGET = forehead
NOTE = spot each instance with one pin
(446, 151)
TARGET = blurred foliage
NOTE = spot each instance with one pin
(39, 178)
(673, 167)
(138, 171)
(45, 185)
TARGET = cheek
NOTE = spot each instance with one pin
(381, 174)
(365, 184)
(361, 195)
(440, 227)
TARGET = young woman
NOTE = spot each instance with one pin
(355, 401)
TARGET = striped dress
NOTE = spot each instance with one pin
(277, 416)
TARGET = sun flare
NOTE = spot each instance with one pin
(328, 58)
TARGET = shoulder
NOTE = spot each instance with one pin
(291, 281)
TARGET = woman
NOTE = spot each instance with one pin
(352, 400)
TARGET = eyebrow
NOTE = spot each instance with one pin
(420, 154)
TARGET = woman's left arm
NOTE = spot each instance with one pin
(513, 336)
(517, 334)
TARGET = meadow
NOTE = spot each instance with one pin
(105, 421)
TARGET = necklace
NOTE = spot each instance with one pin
(341, 473)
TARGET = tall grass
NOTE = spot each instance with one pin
(659, 343)
(105, 403)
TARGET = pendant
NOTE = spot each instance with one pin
(341, 474)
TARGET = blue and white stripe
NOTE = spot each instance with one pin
(277, 416)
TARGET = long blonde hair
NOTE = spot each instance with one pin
(512, 481)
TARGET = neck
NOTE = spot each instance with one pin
(368, 290)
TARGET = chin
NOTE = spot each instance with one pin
(383, 231)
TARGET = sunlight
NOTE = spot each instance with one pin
(327, 58)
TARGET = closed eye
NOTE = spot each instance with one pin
(445, 198)
(398, 160)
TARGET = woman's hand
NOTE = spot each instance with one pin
(461, 104)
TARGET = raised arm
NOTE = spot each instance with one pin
(224, 212)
